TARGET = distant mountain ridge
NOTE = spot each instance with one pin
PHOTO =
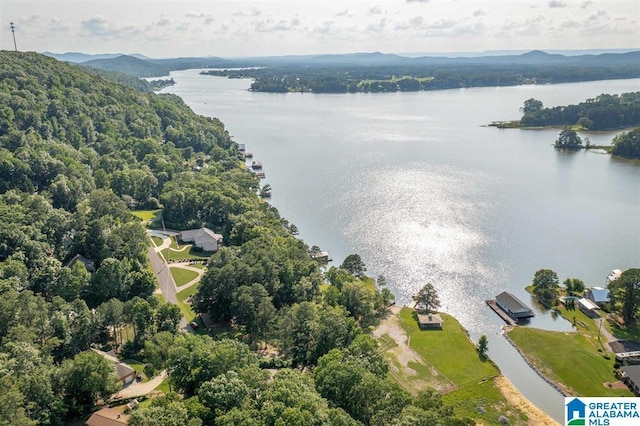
(141, 66)
(77, 57)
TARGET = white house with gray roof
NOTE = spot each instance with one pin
(203, 238)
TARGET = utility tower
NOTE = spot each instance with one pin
(13, 32)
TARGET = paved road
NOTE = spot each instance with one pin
(165, 279)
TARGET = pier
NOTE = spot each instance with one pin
(502, 314)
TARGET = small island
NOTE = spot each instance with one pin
(605, 112)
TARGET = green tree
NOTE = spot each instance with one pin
(545, 286)
(427, 298)
(168, 317)
(172, 414)
(568, 139)
(223, 393)
(625, 294)
(111, 316)
(531, 106)
(483, 346)
(85, 379)
(627, 144)
(573, 285)
(354, 265)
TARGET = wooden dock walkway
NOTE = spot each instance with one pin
(502, 314)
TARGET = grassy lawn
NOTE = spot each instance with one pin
(157, 241)
(449, 350)
(146, 216)
(138, 366)
(164, 386)
(182, 276)
(186, 309)
(470, 399)
(571, 359)
(622, 332)
(177, 252)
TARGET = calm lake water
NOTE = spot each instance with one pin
(417, 186)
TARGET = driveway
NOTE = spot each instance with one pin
(139, 389)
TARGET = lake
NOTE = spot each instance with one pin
(415, 184)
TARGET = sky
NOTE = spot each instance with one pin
(263, 28)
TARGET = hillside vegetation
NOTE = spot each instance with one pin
(78, 152)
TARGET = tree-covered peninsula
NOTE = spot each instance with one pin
(79, 153)
(603, 112)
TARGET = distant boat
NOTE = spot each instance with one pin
(256, 165)
(248, 155)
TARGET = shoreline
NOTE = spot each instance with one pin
(557, 386)
(391, 327)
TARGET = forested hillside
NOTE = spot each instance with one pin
(78, 153)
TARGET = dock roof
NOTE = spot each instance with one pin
(512, 303)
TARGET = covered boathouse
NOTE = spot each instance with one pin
(513, 306)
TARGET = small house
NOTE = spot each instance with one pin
(107, 417)
(89, 264)
(430, 321)
(203, 238)
(126, 374)
(588, 307)
(597, 295)
(513, 306)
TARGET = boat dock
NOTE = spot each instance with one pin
(502, 314)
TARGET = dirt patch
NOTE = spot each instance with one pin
(535, 415)
(615, 385)
(405, 362)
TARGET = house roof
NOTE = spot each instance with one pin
(122, 370)
(512, 303)
(88, 263)
(200, 235)
(588, 304)
(429, 319)
(599, 294)
(107, 417)
(632, 372)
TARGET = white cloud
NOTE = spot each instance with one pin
(375, 10)
(418, 1)
(557, 3)
(586, 4)
(479, 12)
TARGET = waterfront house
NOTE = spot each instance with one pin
(430, 321)
(597, 295)
(513, 306)
(588, 307)
(203, 238)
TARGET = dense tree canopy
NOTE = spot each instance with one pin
(545, 285)
(625, 295)
(627, 144)
(603, 112)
